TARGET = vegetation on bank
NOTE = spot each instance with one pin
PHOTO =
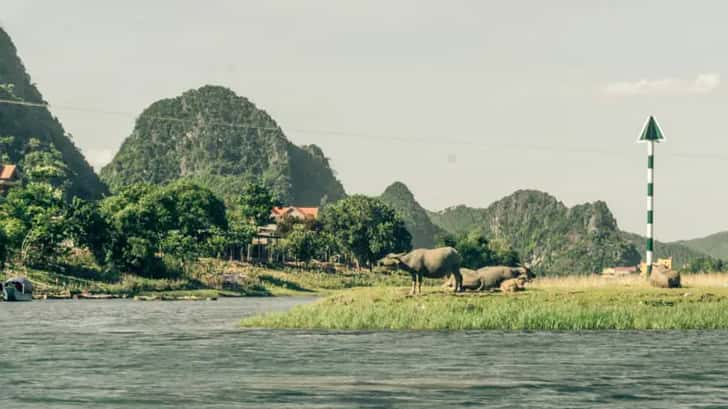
(160, 232)
(207, 278)
(569, 303)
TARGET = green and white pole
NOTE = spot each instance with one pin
(650, 205)
(650, 135)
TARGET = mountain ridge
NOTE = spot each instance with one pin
(416, 218)
(714, 245)
(33, 129)
(552, 237)
(221, 140)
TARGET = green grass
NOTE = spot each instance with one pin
(205, 278)
(542, 307)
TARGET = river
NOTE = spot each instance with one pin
(126, 354)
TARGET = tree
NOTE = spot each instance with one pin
(189, 208)
(365, 227)
(3, 247)
(42, 244)
(87, 227)
(34, 225)
(478, 251)
(185, 249)
(256, 202)
(704, 265)
(504, 254)
(46, 166)
(475, 251)
(302, 243)
(147, 222)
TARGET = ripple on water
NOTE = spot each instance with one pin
(118, 353)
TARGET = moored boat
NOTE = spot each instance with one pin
(18, 289)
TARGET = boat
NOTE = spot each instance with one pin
(18, 289)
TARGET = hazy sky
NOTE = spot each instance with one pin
(464, 101)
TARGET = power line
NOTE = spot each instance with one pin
(367, 136)
(23, 103)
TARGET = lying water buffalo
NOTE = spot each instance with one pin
(490, 277)
(513, 284)
(664, 278)
(433, 263)
(470, 280)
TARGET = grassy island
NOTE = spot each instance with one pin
(570, 303)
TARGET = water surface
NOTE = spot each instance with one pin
(126, 354)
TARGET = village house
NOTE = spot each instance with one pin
(266, 236)
(665, 263)
(8, 177)
(300, 213)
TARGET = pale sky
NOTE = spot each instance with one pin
(464, 101)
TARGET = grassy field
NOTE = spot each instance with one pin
(565, 303)
(206, 279)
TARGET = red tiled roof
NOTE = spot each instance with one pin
(7, 172)
(311, 212)
(279, 210)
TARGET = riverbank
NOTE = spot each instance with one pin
(571, 303)
(207, 279)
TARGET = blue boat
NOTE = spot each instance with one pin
(17, 289)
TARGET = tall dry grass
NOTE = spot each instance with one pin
(632, 281)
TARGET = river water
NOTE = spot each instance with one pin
(126, 354)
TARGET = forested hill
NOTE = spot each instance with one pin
(680, 253)
(31, 137)
(416, 220)
(554, 238)
(715, 245)
(221, 140)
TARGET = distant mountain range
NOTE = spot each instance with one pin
(554, 238)
(680, 253)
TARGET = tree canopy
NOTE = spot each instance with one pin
(365, 227)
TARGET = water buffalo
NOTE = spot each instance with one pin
(492, 277)
(664, 278)
(471, 281)
(513, 284)
(432, 263)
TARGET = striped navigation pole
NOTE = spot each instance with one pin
(650, 135)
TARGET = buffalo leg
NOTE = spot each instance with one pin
(419, 283)
(414, 283)
(458, 281)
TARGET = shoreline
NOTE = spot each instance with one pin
(208, 279)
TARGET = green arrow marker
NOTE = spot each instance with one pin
(650, 135)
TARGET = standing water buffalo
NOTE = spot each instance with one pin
(433, 263)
